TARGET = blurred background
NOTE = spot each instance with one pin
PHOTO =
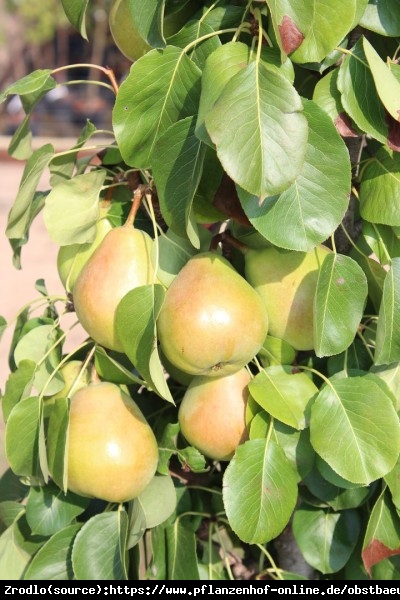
(37, 35)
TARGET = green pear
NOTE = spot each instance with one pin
(212, 322)
(72, 258)
(119, 264)
(112, 452)
(286, 281)
(212, 414)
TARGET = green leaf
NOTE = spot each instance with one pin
(234, 56)
(111, 370)
(57, 441)
(264, 152)
(76, 13)
(331, 491)
(380, 188)
(189, 33)
(259, 491)
(181, 553)
(355, 428)
(391, 376)
(359, 96)
(170, 253)
(162, 87)
(11, 487)
(98, 552)
(387, 85)
(393, 481)
(388, 330)
(40, 345)
(276, 352)
(53, 560)
(310, 31)
(296, 446)
(19, 215)
(76, 225)
(48, 509)
(18, 386)
(13, 559)
(339, 304)
(327, 96)
(382, 240)
(326, 539)
(382, 17)
(382, 535)
(158, 500)
(147, 18)
(24, 424)
(176, 187)
(10, 510)
(137, 524)
(283, 394)
(316, 201)
(135, 322)
(33, 84)
(375, 275)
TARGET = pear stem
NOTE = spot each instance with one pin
(137, 200)
(225, 237)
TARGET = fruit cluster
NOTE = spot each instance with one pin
(212, 323)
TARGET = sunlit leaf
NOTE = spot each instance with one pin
(176, 187)
(308, 212)
(53, 561)
(76, 13)
(326, 539)
(339, 304)
(96, 553)
(286, 396)
(355, 428)
(158, 500)
(309, 31)
(359, 96)
(48, 509)
(382, 17)
(380, 188)
(181, 552)
(263, 153)
(24, 423)
(387, 85)
(34, 83)
(388, 330)
(162, 87)
(81, 195)
(135, 321)
(259, 491)
(19, 215)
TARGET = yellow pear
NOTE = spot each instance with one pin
(119, 264)
(212, 322)
(212, 414)
(286, 281)
(112, 452)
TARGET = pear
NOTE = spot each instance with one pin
(212, 414)
(287, 281)
(119, 264)
(72, 258)
(112, 452)
(212, 322)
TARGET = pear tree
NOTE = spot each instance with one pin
(231, 249)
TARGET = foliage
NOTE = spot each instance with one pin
(257, 123)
